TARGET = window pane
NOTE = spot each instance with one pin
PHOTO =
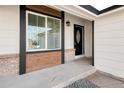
(36, 32)
(53, 32)
(41, 32)
(41, 21)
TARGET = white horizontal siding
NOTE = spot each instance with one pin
(111, 67)
(109, 43)
(9, 29)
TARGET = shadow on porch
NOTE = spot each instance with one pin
(84, 60)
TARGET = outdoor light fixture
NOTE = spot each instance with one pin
(68, 23)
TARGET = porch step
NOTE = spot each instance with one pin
(58, 76)
(75, 78)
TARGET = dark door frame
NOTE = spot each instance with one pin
(83, 42)
(92, 42)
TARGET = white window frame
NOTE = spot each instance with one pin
(45, 16)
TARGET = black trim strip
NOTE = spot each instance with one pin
(110, 8)
(22, 58)
(92, 43)
(42, 13)
(62, 37)
(90, 8)
(97, 12)
(32, 52)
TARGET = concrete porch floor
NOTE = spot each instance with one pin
(57, 76)
(61, 76)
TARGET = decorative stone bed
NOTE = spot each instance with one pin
(82, 83)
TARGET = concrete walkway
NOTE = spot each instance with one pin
(58, 76)
(105, 81)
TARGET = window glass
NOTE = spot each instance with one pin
(36, 32)
(41, 32)
(42, 35)
(53, 33)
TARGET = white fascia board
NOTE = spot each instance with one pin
(103, 14)
(74, 10)
(85, 10)
(109, 12)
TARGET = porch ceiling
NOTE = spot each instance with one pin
(75, 10)
(87, 11)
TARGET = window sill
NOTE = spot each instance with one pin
(43, 51)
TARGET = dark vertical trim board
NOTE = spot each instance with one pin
(62, 37)
(83, 39)
(22, 59)
(92, 43)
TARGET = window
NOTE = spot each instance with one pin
(43, 32)
(53, 39)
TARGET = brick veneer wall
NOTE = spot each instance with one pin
(36, 61)
(9, 64)
(69, 55)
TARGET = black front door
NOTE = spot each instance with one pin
(78, 31)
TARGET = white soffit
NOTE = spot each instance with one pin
(76, 10)
(81, 12)
(85, 10)
(112, 11)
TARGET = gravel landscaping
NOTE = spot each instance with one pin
(83, 83)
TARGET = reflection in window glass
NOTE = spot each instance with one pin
(36, 32)
(53, 33)
(43, 32)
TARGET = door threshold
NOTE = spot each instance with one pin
(79, 56)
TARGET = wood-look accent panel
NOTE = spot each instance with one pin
(44, 10)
